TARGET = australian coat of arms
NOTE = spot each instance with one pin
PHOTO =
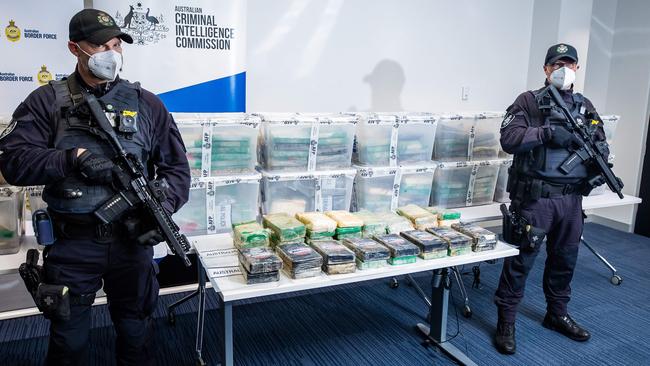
(142, 24)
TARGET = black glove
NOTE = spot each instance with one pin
(561, 137)
(95, 168)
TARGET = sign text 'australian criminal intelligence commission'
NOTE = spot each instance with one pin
(196, 30)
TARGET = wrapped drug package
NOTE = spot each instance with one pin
(482, 239)
(431, 246)
(401, 250)
(458, 243)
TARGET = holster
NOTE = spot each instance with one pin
(53, 301)
(518, 231)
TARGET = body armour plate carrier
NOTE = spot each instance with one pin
(75, 127)
(543, 161)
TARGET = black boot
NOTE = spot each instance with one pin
(567, 326)
(505, 338)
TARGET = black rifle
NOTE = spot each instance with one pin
(592, 152)
(137, 189)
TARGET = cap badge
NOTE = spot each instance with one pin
(562, 48)
(105, 20)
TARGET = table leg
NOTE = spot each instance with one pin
(201, 315)
(436, 330)
(227, 358)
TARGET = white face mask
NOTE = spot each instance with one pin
(563, 78)
(105, 65)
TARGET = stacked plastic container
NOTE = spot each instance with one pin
(222, 152)
(466, 152)
(610, 123)
(305, 162)
(393, 160)
(11, 204)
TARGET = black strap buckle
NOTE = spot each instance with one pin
(104, 231)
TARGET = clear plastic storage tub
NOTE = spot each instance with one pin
(466, 137)
(306, 142)
(376, 140)
(11, 200)
(500, 194)
(34, 198)
(383, 189)
(335, 140)
(609, 125)
(292, 193)
(218, 203)
(219, 144)
(464, 184)
(416, 134)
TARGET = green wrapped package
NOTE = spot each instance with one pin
(319, 226)
(371, 264)
(6, 234)
(396, 261)
(284, 227)
(259, 260)
(431, 246)
(251, 235)
(395, 223)
(333, 252)
(372, 224)
(459, 243)
(367, 249)
(447, 218)
(347, 232)
(264, 277)
(482, 239)
(398, 246)
(420, 217)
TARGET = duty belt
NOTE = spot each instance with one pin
(82, 227)
(552, 190)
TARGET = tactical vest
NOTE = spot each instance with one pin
(543, 161)
(75, 128)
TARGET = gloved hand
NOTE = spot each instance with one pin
(561, 137)
(96, 168)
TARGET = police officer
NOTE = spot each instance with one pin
(537, 133)
(53, 141)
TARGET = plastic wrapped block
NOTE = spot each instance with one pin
(482, 239)
(317, 223)
(345, 219)
(420, 217)
(367, 249)
(284, 227)
(398, 246)
(251, 235)
(333, 252)
(372, 224)
(395, 223)
(431, 246)
(458, 243)
(259, 260)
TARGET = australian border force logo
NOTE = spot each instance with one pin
(562, 48)
(142, 25)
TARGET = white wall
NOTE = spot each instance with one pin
(627, 86)
(359, 55)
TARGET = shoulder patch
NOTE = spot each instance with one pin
(507, 119)
(8, 129)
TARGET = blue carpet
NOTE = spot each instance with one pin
(371, 324)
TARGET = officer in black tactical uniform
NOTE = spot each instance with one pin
(550, 200)
(54, 141)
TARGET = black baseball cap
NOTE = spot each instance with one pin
(560, 50)
(95, 26)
